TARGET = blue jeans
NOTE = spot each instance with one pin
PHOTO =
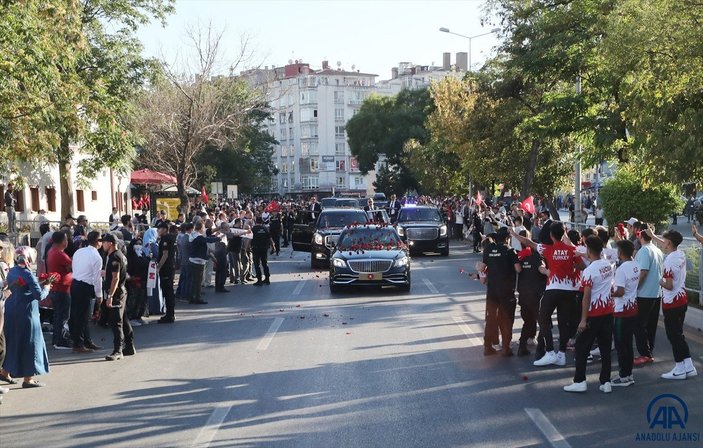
(62, 303)
(184, 281)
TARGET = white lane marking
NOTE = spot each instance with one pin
(208, 432)
(299, 288)
(550, 432)
(430, 286)
(475, 339)
(268, 337)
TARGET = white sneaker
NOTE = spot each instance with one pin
(692, 373)
(561, 359)
(595, 351)
(135, 323)
(4, 390)
(605, 388)
(531, 341)
(674, 374)
(619, 381)
(576, 387)
(549, 358)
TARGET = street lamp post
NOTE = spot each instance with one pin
(470, 38)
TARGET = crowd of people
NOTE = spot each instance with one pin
(602, 284)
(607, 287)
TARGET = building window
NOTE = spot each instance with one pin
(290, 117)
(292, 167)
(284, 167)
(340, 181)
(282, 118)
(19, 197)
(291, 133)
(339, 131)
(34, 193)
(358, 181)
(93, 196)
(314, 165)
(50, 198)
(80, 202)
(339, 114)
(309, 131)
(283, 134)
(339, 97)
(274, 183)
(309, 182)
(341, 165)
(339, 148)
(118, 201)
(285, 184)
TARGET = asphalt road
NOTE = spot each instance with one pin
(290, 365)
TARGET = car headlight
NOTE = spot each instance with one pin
(319, 239)
(401, 231)
(339, 263)
(443, 231)
(402, 261)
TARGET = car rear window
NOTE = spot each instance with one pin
(419, 214)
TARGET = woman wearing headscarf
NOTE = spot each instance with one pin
(26, 351)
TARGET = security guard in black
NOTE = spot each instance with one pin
(500, 261)
(260, 243)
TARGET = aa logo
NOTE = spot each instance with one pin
(667, 411)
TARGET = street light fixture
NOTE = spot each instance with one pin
(446, 30)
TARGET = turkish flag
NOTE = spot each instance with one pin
(528, 205)
(203, 195)
(273, 207)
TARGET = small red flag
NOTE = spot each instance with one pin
(203, 195)
(528, 205)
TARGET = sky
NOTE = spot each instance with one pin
(371, 35)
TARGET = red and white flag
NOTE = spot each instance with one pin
(203, 195)
(528, 205)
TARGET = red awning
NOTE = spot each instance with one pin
(149, 177)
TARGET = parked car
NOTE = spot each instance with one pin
(370, 255)
(423, 230)
(320, 236)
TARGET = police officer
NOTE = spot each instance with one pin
(115, 277)
(531, 283)
(260, 243)
(500, 263)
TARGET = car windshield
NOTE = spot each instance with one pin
(341, 219)
(419, 214)
(368, 238)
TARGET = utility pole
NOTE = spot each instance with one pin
(577, 169)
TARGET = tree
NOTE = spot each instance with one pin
(384, 125)
(245, 162)
(75, 71)
(185, 113)
(625, 196)
(41, 44)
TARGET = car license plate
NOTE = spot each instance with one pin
(369, 277)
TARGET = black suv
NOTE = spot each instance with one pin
(423, 230)
(319, 236)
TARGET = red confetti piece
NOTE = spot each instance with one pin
(524, 378)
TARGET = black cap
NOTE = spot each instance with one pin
(109, 238)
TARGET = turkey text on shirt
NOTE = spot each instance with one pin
(599, 277)
(560, 259)
(675, 269)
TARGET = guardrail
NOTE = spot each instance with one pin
(28, 231)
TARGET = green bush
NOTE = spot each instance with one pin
(626, 195)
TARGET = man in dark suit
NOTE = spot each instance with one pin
(315, 208)
(393, 208)
(369, 205)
